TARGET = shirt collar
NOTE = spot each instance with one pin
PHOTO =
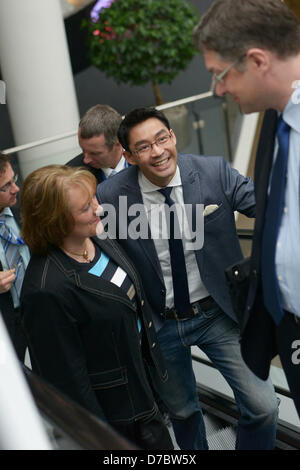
(119, 167)
(291, 111)
(6, 212)
(148, 187)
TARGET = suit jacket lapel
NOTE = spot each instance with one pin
(190, 179)
(263, 163)
(192, 194)
(84, 280)
(192, 189)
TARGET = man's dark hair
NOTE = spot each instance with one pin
(137, 116)
(4, 160)
(231, 27)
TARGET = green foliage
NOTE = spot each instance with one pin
(141, 41)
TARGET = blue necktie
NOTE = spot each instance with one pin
(180, 281)
(272, 223)
(13, 256)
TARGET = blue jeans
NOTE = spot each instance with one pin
(218, 336)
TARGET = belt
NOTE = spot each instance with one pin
(200, 306)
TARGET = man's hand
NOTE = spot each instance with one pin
(6, 280)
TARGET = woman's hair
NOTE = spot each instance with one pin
(45, 214)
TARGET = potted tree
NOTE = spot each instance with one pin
(143, 41)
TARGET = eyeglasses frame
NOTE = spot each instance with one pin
(217, 78)
(169, 135)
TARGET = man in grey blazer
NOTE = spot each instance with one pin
(206, 191)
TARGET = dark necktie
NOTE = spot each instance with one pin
(11, 247)
(272, 223)
(180, 281)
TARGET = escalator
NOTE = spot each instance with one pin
(221, 418)
(70, 427)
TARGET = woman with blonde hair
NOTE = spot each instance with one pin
(88, 324)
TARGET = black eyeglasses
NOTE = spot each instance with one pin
(145, 149)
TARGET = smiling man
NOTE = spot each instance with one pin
(186, 285)
(252, 48)
(14, 256)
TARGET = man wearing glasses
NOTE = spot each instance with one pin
(14, 256)
(252, 47)
(184, 281)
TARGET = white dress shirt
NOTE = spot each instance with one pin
(154, 204)
(120, 166)
(288, 242)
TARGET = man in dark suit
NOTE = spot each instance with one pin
(97, 136)
(257, 61)
(183, 277)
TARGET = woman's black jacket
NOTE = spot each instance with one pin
(83, 336)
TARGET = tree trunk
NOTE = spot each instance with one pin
(157, 94)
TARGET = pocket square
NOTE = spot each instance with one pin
(209, 209)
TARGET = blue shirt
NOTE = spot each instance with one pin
(288, 242)
(8, 217)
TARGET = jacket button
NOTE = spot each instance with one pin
(153, 345)
(150, 324)
(142, 303)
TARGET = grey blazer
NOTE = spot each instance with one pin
(207, 181)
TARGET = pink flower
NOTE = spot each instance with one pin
(96, 32)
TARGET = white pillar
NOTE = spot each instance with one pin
(36, 68)
(21, 426)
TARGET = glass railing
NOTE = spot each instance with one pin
(203, 124)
